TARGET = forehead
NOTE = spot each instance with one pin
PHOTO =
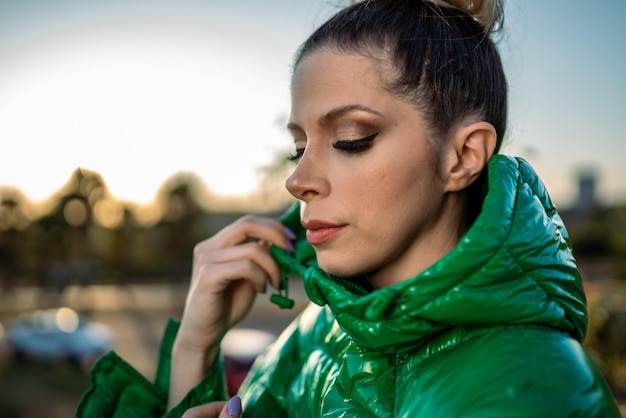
(329, 79)
(325, 81)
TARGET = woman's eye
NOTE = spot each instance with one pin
(352, 146)
(355, 145)
(296, 156)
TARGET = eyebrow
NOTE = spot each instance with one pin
(336, 113)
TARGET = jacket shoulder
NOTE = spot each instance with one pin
(510, 371)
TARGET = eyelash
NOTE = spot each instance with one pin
(296, 156)
(352, 146)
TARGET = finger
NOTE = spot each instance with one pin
(209, 410)
(253, 227)
(232, 408)
(217, 277)
(256, 252)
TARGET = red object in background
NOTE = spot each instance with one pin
(236, 372)
(240, 348)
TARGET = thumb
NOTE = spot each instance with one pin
(232, 408)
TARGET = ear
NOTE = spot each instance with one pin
(468, 152)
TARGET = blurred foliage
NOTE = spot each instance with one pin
(606, 336)
(590, 235)
(617, 241)
(599, 233)
(82, 235)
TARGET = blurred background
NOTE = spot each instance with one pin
(130, 130)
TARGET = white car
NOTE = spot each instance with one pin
(58, 334)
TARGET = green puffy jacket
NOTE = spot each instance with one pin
(493, 329)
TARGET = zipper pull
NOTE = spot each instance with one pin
(281, 298)
(287, 263)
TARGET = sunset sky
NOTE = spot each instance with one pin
(139, 90)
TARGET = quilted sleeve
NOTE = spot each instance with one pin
(117, 390)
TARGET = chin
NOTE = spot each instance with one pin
(336, 268)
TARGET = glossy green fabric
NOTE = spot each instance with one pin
(491, 330)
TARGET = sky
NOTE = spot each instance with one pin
(139, 90)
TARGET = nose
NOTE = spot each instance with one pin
(309, 179)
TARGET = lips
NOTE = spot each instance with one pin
(319, 232)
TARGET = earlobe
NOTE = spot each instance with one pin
(471, 146)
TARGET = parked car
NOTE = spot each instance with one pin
(58, 334)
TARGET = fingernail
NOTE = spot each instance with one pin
(289, 233)
(290, 246)
(234, 406)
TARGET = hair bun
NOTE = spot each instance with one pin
(487, 13)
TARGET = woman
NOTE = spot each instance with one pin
(442, 277)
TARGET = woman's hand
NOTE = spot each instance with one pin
(229, 269)
(228, 409)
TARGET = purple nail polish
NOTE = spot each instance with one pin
(234, 406)
(290, 234)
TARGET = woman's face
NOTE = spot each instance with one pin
(372, 200)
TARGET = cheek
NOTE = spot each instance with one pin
(372, 188)
(407, 186)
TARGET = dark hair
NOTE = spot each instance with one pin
(442, 59)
